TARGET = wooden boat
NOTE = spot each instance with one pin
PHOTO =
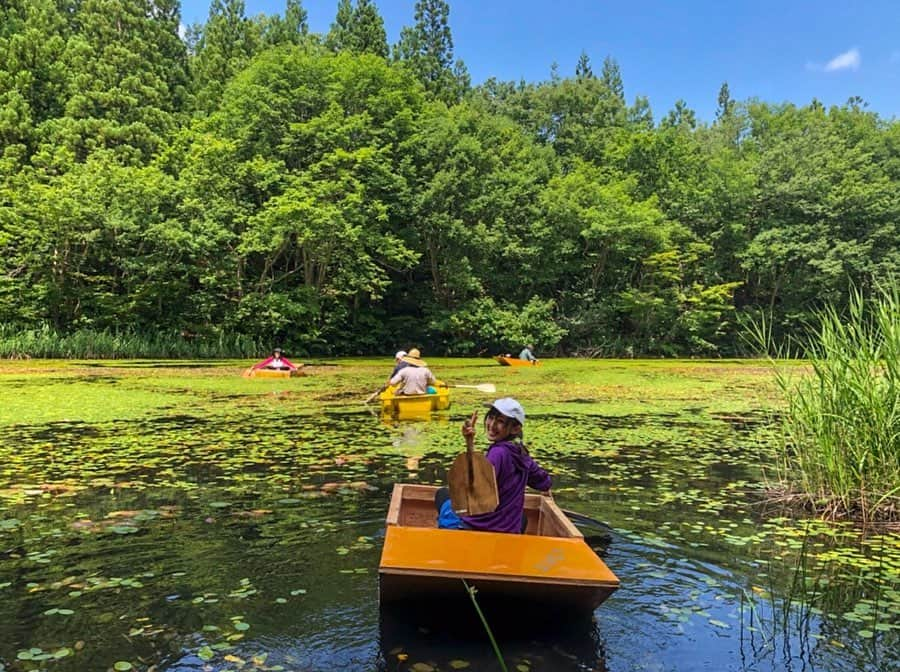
(274, 373)
(414, 405)
(515, 361)
(550, 568)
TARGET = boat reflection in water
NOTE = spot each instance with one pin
(442, 636)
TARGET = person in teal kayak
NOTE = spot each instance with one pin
(527, 354)
(514, 467)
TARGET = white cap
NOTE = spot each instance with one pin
(510, 408)
(400, 353)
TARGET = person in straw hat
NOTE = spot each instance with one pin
(415, 377)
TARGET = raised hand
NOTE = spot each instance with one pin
(468, 428)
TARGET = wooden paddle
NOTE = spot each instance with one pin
(488, 388)
(375, 394)
(581, 519)
(473, 482)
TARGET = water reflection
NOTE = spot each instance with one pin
(196, 541)
(442, 637)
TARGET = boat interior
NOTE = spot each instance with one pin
(412, 505)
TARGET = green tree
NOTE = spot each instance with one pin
(583, 67)
(224, 46)
(126, 83)
(338, 37)
(368, 29)
(640, 115)
(680, 116)
(101, 246)
(32, 76)
(824, 209)
(292, 28)
(611, 76)
(725, 102)
(427, 48)
(475, 182)
(358, 29)
(297, 171)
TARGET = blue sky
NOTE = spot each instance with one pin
(787, 51)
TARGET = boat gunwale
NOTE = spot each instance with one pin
(503, 578)
(533, 501)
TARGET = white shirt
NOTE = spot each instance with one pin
(415, 379)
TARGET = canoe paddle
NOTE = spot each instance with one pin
(473, 483)
(488, 388)
(587, 521)
(375, 394)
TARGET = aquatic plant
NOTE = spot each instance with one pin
(840, 441)
(471, 590)
(164, 513)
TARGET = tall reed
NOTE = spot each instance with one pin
(841, 427)
(45, 342)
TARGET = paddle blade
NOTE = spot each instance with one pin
(472, 497)
(489, 388)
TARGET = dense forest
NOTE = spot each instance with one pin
(340, 195)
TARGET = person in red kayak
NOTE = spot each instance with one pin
(514, 467)
(276, 362)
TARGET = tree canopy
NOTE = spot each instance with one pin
(253, 178)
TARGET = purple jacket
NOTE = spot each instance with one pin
(515, 469)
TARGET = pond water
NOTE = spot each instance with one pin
(238, 526)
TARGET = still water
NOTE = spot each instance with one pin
(249, 540)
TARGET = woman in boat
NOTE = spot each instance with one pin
(415, 377)
(276, 362)
(514, 467)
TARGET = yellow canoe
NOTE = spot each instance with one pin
(550, 567)
(515, 361)
(414, 405)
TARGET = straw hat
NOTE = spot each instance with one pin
(413, 357)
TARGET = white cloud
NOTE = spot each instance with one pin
(849, 60)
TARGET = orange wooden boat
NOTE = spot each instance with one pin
(515, 361)
(550, 567)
